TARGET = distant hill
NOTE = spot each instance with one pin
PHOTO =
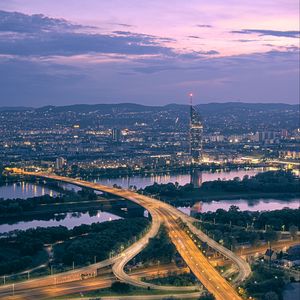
(15, 108)
(132, 107)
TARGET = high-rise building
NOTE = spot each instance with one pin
(60, 163)
(196, 178)
(116, 135)
(196, 135)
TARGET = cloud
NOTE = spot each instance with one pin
(124, 25)
(263, 32)
(246, 40)
(21, 23)
(209, 52)
(271, 76)
(55, 61)
(42, 36)
(194, 37)
(204, 26)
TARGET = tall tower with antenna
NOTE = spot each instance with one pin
(196, 134)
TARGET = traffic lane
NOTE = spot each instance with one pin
(206, 274)
(101, 282)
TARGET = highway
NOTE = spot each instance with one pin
(162, 212)
(28, 291)
(197, 262)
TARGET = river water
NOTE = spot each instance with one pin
(25, 190)
(141, 181)
(69, 220)
(243, 204)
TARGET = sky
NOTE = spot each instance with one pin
(149, 52)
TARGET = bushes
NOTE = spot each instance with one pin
(281, 182)
(13, 206)
(160, 248)
(276, 219)
(120, 287)
(101, 239)
(18, 249)
(12, 266)
(263, 281)
(267, 182)
(176, 280)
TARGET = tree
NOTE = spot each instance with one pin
(271, 296)
(207, 296)
(120, 287)
(270, 235)
(293, 231)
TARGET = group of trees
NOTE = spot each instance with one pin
(18, 248)
(160, 249)
(235, 227)
(279, 220)
(13, 206)
(169, 189)
(102, 238)
(231, 237)
(283, 182)
(268, 182)
(265, 283)
(187, 279)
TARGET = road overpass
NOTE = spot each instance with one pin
(162, 212)
(29, 290)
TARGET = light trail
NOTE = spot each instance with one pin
(159, 212)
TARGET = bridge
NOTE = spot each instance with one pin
(167, 214)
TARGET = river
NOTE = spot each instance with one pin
(68, 220)
(141, 181)
(25, 190)
(242, 204)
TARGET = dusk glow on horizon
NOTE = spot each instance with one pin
(148, 52)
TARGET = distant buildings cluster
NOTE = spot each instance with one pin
(131, 137)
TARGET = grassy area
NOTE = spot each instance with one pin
(134, 291)
(176, 280)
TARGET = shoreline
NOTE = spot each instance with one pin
(48, 211)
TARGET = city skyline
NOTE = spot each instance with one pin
(149, 149)
(153, 54)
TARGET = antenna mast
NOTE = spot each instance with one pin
(191, 98)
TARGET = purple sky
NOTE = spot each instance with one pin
(148, 52)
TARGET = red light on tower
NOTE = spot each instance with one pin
(191, 98)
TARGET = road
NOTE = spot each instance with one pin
(103, 281)
(278, 245)
(162, 212)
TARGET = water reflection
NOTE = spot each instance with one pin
(196, 178)
(243, 204)
(68, 220)
(24, 190)
(140, 181)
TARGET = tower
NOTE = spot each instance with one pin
(196, 134)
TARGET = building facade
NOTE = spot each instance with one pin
(196, 136)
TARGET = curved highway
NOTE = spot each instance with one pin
(162, 212)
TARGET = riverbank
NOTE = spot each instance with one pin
(115, 173)
(223, 196)
(272, 184)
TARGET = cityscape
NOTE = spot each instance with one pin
(144, 155)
